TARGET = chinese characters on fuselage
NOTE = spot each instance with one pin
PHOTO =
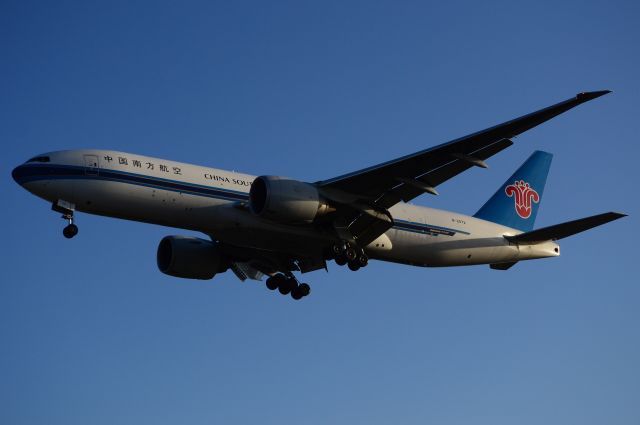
(148, 165)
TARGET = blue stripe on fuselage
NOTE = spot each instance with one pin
(34, 172)
(411, 226)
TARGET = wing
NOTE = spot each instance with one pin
(252, 263)
(372, 191)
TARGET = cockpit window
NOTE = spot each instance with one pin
(39, 159)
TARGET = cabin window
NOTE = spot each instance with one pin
(39, 159)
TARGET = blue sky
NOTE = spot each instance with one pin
(91, 332)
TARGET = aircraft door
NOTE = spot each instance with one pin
(91, 164)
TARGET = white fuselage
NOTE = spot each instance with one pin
(152, 190)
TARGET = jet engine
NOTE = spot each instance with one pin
(189, 257)
(284, 200)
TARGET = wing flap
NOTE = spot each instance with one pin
(250, 263)
(245, 270)
(406, 192)
(366, 228)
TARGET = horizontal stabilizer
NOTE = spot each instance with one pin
(563, 230)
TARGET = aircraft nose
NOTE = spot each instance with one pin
(18, 174)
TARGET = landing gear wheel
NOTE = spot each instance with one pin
(300, 291)
(70, 231)
(286, 286)
(296, 294)
(286, 283)
(354, 266)
(272, 283)
(363, 260)
(340, 260)
(350, 254)
(304, 289)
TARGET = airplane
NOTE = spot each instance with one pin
(274, 226)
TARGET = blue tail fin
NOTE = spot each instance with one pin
(516, 203)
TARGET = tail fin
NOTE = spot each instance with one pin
(516, 203)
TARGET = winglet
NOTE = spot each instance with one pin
(590, 95)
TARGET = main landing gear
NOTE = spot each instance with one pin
(288, 284)
(353, 256)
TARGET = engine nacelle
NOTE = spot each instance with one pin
(285, 200)
(189, 257)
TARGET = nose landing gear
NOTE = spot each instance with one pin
(66, 208)
(71, 229)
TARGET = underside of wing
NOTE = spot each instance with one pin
(254, 264)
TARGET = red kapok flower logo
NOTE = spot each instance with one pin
(523, 195)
